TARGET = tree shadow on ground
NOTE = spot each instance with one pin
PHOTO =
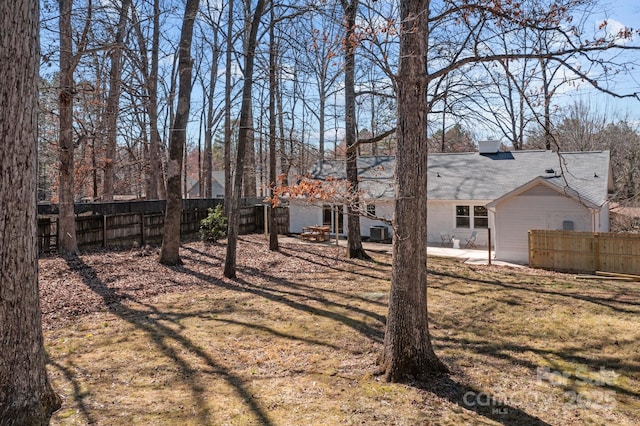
(483, 403)
(157, 325)
(622, 306)
(78, 395)
(292, 294)
(305, 291)
(505, 352)
(287, 298)
(511, 347)
(165, 339)
(334, 263)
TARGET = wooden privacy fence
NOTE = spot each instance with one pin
(584, 252)
(126, 229)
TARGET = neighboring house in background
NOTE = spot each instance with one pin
(217, 188)
(509, 192)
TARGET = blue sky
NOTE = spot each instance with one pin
(624, 13)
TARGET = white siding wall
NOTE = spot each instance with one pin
(442, 218)
(303, 214)
(604, 218)
(384, 209)
(516, 215)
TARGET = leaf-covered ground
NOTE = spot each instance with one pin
(295, 338)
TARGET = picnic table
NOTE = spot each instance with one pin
(316, 232)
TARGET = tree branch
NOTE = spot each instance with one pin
(374, 139)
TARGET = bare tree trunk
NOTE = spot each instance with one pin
(94, 169)
(170, 252)
(285, 163)
(407, 343)
(228, 188)
(200, 165)
(153, 162)
(26, 397)
(113, 104)
(262, 155)
(354, 247)
(321, 124)
(546, 86)
(273, 225)
(249, 179)
(67, 243)
(156, 179)
(208, 134)
(243, 138)
(183, 180)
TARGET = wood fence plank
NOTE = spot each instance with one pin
(123, 229)
(573, 251)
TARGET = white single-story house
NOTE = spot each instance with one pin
(513, 192)
(508, 192)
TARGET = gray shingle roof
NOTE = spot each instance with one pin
(474, 176)
(375, 173)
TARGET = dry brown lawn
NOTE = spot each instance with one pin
(294, 341)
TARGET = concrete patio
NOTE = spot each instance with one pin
(478, 256)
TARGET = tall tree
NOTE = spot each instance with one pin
(212, 17)
(113, 102)
(407, 343)
(243, 139)
(170, 251)
(147, 60)
(354, 240)
(26, 397)
(66, 218)
(503, 102)
(156, 180)
(320, 62)
(228, 189)
(469, 28)
(67, 242)
(249, 178)
(273, 228)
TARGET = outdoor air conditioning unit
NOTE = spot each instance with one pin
(379, 233)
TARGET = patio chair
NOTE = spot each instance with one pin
(446, 239)
(471, 241)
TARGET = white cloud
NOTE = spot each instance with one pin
(613, 29)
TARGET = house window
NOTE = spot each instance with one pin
(472, 217)
(463, 219)
(480, 217)
(371, 209)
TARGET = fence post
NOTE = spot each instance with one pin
(142, 242)
(596, 251)
(266, 219)
(530, 249)
(104, 230)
